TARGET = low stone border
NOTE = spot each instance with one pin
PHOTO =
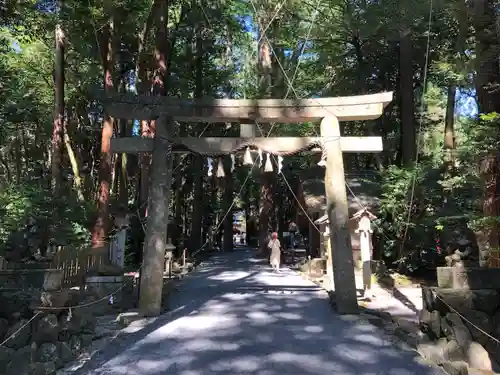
(408, 336)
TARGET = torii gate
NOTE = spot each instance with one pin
(165, 110)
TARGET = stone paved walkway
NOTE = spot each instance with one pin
(233, 316)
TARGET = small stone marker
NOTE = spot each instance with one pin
(117, 246)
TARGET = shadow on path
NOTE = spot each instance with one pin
(233, 316)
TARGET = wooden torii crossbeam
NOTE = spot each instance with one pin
(165, 110)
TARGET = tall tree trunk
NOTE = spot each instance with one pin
(77, 179)
(228, 205)
(58, 124)
(161, 49)
(143, 87)
(229, 178)
(122, 169)
(487, 82)
(265, 69)
(449, 127)
(408, 131)
(121, 160)
(197, 216)
(100, 230)
(18, 157)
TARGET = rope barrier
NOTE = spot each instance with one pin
(19, 330)
(494, 339)
(419, 142)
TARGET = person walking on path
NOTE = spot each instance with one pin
(275, 247)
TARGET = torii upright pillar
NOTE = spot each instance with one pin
(338, 215)
(151, 284)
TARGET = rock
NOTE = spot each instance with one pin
(433, 351)
(435, 323)
(476, 371)
(20, 361)
(455, 368)
(43, 368)
(5, 357)
(81, 321)
(47, 353)
(462, 335)
(460, 332)
(15, 305)
(60, 298)
(52, 280)
(86, 339)
(75, 345)
(446, 329)
(47, 329)
(478, 319)
(64, 352)
(4, 327)
(478, 357)
(453, 351)
(407, 325)
(19, 334)
(424, 318)
(126, 318)
(463, 300)
(493, 349)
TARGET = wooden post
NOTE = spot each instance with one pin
(365, 231)
(338, 215)
(150, 299)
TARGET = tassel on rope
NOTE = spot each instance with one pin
(280, 163)
(269, 166)
(260, 158)
(220, 169)
(210, 163)
(247, 157)
(233, 162)
(70, 315)
(322, 162)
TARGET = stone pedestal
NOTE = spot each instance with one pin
(466, 278)
(102, 288)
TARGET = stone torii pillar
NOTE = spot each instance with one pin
(155, 243)
(338, 215)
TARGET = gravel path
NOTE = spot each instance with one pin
(233, 316)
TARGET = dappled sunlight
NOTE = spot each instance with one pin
(238, 366)
(229, 276)
(313, 329)
(251, 323)
(261, 317)
(309, 364)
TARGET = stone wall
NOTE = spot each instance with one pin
(44, 342)
(462, 326)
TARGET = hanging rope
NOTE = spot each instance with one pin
(419, 145)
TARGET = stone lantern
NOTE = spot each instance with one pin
(169, 254)
(363, 219)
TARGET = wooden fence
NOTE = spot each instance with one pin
(76, 263)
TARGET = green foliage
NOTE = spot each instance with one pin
(64, 220)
